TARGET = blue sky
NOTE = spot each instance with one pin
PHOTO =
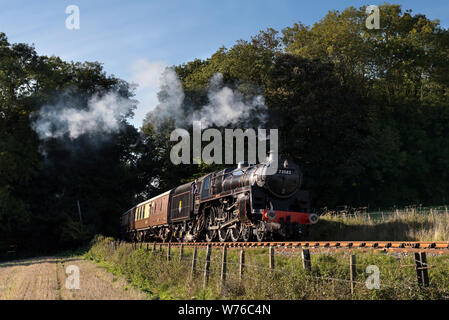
(135, 40)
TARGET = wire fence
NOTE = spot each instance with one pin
(228, 266)
(412, 209)
(382, 215)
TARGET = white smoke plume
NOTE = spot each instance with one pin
(103, 115)
(147, 75)
(171, 96)
(226, 106)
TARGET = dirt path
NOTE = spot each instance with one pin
(45, 279)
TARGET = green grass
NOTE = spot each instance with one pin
(413, 224)
(328, 279)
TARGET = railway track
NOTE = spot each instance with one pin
(438, 247)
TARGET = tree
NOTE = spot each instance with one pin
(42, 181)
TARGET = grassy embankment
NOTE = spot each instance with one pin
(328, 279)
(162, 279)
(413, 224)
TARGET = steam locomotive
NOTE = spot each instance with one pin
(235, 204)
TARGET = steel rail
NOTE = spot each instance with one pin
(441, 247)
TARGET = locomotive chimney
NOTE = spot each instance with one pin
(242, 164)
(270, 155)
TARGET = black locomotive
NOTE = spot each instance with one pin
(234, 204)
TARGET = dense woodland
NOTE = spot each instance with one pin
(364, 112)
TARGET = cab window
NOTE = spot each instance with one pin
(205, 187)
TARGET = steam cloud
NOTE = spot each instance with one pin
(103, 115)
(171, 97)
(225, 106)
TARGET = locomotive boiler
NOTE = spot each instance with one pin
(234, 204)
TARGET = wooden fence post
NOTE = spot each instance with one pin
(168, 252)
(421, 269)
(242, 264)
(418, 268)
(223, 267)
(306, 263)
(424, 273)
(207, 266)
(352, 271)
(271, 257)
(181, 252)
(192, 273)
